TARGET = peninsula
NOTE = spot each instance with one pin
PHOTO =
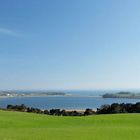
(30, 94)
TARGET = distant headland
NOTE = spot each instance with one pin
(30, 94)
(129, 95)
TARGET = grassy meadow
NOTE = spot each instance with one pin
(28, 126)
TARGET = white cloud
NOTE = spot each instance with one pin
(8, 32)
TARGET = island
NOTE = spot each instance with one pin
(122, 94)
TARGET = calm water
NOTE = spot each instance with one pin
(63, 102)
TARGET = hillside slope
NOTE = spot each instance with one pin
(26, 126)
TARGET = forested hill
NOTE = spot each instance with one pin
(130, 95)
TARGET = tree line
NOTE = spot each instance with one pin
(119, 108)
(104, 109)
(57, 112)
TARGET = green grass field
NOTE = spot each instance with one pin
(26, 126)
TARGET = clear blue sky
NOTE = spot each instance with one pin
(69, 44)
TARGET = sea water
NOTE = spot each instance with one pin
(76, 100)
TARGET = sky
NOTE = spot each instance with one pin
(69, 44)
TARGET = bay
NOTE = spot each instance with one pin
(63, 102)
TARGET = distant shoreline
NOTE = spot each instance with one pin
(42, 94)
(2, 97)
(123, 95)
